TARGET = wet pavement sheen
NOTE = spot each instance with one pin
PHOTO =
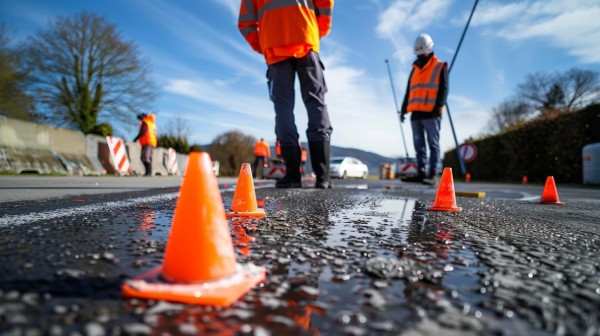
(361, 259)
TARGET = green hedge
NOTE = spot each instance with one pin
(538, 149)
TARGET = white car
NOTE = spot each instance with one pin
(346, 166)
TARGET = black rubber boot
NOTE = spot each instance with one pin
(148, 167)
(319, 157)
(291, 157)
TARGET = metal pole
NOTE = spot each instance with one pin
(397, 110)
(463, 169)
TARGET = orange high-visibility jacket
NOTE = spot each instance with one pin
(262, 149)
(424, 86)
(303, 155)
(149, 138)
(280, 29)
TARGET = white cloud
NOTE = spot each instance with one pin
(409, 16)
(489, 13)
(222, 95)
(569, 25)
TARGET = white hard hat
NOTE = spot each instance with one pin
(423, 45)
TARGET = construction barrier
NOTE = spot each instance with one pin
(25, 148)
(160, 158)
(134, 151)
(28, 147)
(98, 154)
(118, 155)
(172, 162)
(70, 148)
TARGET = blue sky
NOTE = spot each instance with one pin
(210, 77)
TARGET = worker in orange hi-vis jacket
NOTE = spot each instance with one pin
(148, 140)
(303, 157)
(288, 34)
(262, 153)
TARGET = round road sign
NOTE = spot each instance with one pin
(468, 151)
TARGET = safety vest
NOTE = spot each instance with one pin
(280, 29)
(149, 138)
(424, 86)
(303, 155)
(262, 149)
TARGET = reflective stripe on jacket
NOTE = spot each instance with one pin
(149, 138)
(424, 86)
(280, 29)
(262, 149)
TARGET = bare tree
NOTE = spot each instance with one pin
(581, 88)
(550, 92)
(508, 114)
(535, 90)
(14, 102)
(176, 135)
(232, 149)
(179, 128)
(85, 73)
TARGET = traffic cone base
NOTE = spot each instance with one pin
(244, 197)
(445, 198)
(550, 194)
(222, 292)
(199, 264)
(257, 213)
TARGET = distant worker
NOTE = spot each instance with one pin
(148, 140)
(288, 35)
(303, 157)
(278, 149)
(262, 153)
(425, 99)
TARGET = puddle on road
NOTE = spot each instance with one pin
(380, 217)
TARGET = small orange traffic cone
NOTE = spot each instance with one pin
(445, 199)
(550, 195)
(244, 197)
(199, 265)
(468, 177)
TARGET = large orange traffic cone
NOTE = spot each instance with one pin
(550, 195)
(199, 265)
(445, 199)
(244, 197)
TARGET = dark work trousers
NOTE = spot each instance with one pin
(147, 153)
(259, 162)
(281, 77)
(431, 128)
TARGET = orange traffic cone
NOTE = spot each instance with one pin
(244, 197)
(550, 195)
(199, 265)
(445, 199)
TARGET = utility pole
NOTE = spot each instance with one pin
(397, 110)
(463, 169)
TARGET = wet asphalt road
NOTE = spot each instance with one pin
(365, 258)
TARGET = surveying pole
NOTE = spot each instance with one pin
(397, 110)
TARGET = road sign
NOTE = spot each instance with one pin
(468, 151)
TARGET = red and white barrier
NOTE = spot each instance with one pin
(172, 162)
(118, 155)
